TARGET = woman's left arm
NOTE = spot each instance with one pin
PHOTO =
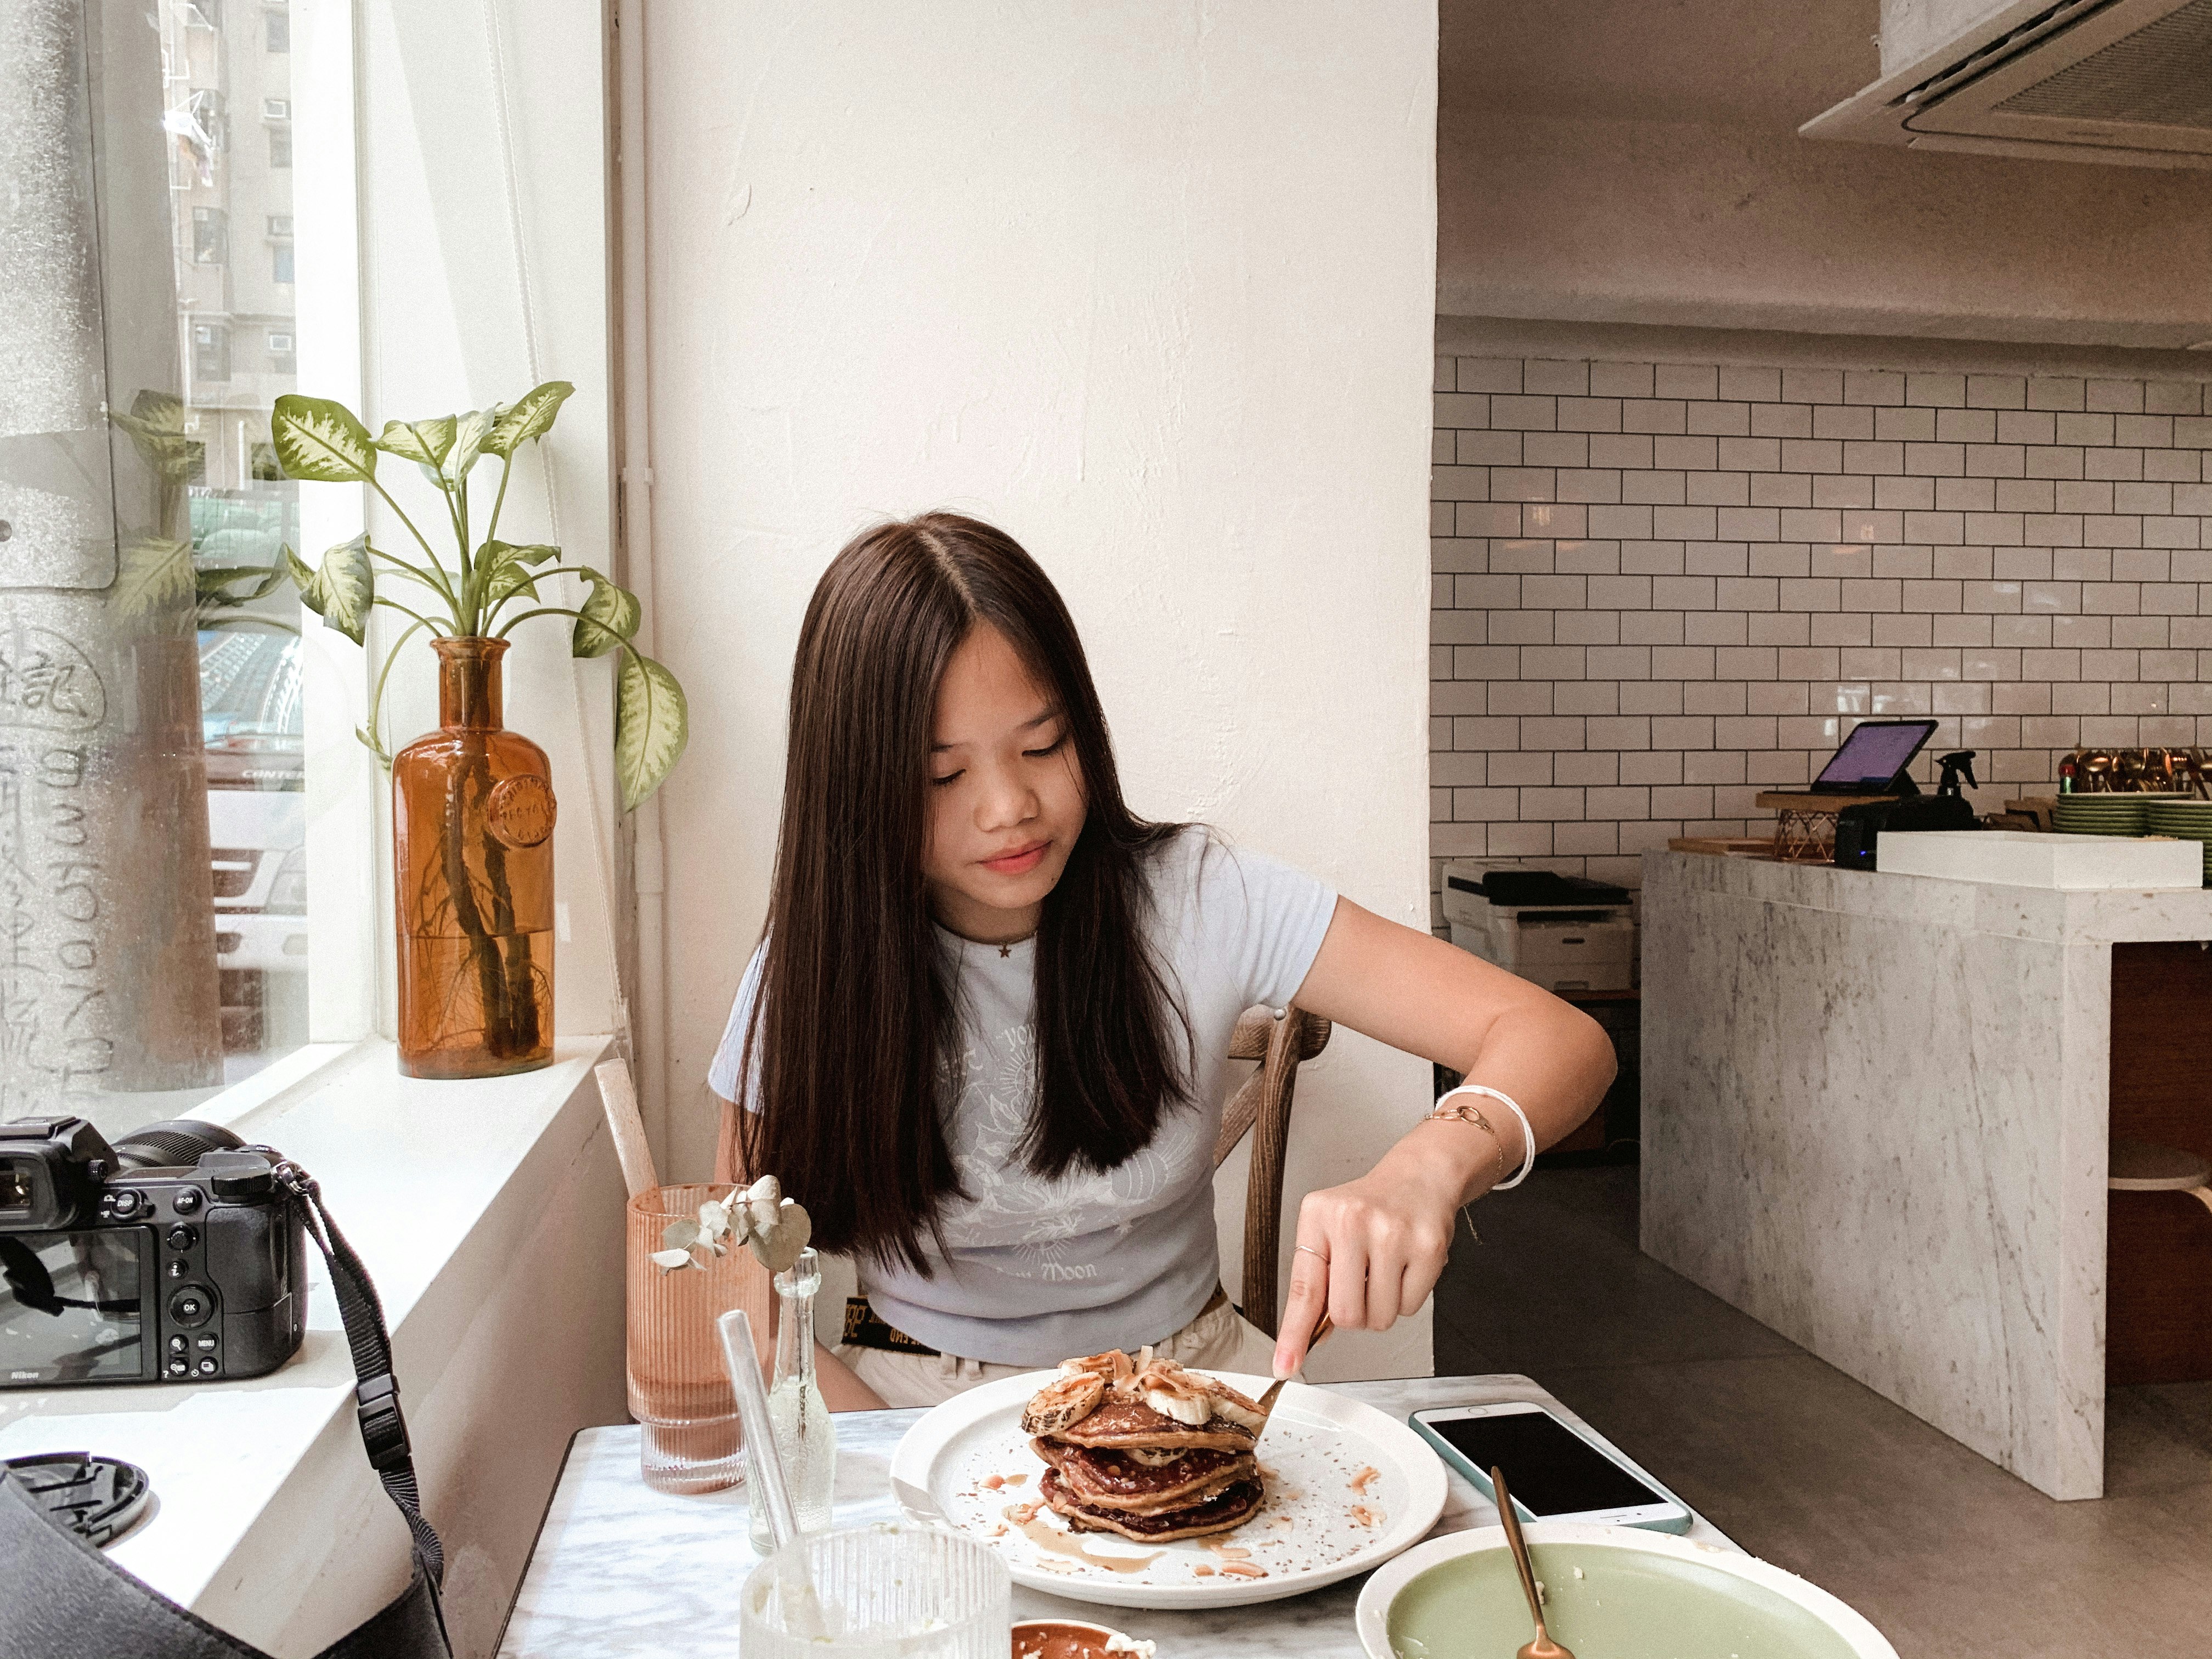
(1374, 1247)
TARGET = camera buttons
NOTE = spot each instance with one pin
(123, 1203)
(177, 1346)
(177, 1269)
(188, 1200)
(182, 1237)
(208, 1368)
(190, 1307)
(204, 1344)
(180, 1368)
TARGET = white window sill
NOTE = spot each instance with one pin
(435, 1184)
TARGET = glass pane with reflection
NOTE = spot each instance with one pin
(153, 878)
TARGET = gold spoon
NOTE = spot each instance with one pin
(1267, 1401)
(1543, 1647)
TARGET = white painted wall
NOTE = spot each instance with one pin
(1148, 283)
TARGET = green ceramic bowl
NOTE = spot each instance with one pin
(1610, 1593)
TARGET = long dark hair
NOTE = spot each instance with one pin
(854, 1028)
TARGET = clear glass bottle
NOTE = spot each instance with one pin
(806, 1433)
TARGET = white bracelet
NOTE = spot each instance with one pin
(1527, 1134)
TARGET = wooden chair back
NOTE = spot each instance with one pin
(1280, 1042)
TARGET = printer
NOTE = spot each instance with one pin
(1562, 932)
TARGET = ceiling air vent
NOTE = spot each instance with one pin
(2128, 82)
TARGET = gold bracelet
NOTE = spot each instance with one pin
(1466, 1111)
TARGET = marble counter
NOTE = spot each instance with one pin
(621, 1570)
(1875, 1115)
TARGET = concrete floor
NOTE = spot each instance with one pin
(1950, 1556)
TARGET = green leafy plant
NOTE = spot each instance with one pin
(324, 443)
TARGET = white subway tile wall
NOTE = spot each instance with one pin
(1662, 587)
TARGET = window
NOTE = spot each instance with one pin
(179, 962)
(210, 352)
(210, 236)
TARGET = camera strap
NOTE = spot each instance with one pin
(376, 1393)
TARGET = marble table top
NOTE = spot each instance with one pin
(620, 1569)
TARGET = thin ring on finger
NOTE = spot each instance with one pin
(1309, 1250)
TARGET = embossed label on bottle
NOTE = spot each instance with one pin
(521, 811)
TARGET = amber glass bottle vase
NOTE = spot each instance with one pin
(472, 858)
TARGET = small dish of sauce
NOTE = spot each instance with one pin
(1059, 1639)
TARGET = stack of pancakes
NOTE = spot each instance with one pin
(1123, 1466)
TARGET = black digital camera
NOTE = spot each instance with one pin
(175, 1254)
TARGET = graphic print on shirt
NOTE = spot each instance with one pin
(1044, 1223)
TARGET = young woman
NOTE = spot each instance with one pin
(983, 1037)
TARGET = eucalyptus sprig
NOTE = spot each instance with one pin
(776, 1228)
(322, 441)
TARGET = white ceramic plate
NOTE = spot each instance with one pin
(1315, 1527)
(1651, 1566)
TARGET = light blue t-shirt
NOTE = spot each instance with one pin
(1041, 1269)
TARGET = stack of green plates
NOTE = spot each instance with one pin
(2101, 815)
(2186, 820)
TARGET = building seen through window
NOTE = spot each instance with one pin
(242, 511)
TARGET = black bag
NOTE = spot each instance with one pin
(66, 1600)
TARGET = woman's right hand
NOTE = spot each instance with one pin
(1369, 1252)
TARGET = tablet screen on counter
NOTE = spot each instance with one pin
(1876, 753)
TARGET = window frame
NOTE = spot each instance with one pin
(210, 235)
(210, 348)
(326, 336)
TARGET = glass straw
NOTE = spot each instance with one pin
(743, 1360)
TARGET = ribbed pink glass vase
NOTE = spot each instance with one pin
(678, 1392)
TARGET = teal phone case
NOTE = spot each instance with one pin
(1457, 1461)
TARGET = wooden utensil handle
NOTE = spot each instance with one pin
(619, 1096)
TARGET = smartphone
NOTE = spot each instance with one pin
(1555, 1472)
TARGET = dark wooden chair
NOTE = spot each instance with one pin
(1281, 1043)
